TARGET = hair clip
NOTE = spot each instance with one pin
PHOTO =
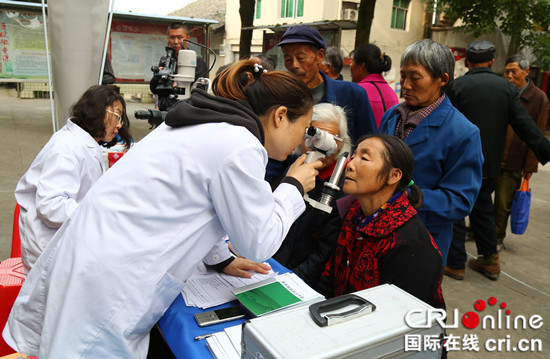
(410, 183)
(382, 56)
(258, 70)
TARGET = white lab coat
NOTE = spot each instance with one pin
(117, 264)
(57, 180)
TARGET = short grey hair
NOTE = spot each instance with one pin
(335, 57)
(327, 112)
(520, 59)
(435, 57)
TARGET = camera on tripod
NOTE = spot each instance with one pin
(164, 77)
(174, 77)
(173, 80)
(166, 68)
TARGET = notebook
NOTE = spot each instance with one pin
(275, 293)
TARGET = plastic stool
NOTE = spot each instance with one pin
(12, 277)
(15, 238)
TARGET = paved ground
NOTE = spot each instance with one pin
(25, 126)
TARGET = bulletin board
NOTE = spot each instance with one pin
(22, 46)
(135, 47)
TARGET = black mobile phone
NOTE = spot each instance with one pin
(218, 316)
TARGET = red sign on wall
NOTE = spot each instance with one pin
(458, 52)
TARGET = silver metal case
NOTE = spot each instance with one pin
(380, 333)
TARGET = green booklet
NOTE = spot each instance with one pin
(275, 293)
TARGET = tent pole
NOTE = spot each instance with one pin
(107, 36)
(49, 65)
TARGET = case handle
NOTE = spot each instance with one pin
(364, 307)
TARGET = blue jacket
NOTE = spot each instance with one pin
(448, 167)
(355, 101)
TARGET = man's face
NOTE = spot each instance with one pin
(326, 68)
(419, 88)
(175, 37)
(515, 74)
(304, 62)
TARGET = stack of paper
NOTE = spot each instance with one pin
(226, 344)
(207, 288)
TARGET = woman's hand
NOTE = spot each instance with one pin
(230, 246)
(305, 173)
(240, 267)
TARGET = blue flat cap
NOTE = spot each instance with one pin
(303, 34)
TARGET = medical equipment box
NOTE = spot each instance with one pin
(396, 325)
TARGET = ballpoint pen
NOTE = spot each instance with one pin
(204, 336)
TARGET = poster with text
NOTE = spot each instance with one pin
(22, 45)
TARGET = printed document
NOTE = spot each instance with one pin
(207, 288)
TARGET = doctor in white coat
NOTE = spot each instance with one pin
(120, 260)
(66, 167)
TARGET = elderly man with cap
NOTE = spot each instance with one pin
(491, 103)
(304, 49)
(518, 161)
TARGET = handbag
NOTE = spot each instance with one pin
(519, 217)
(380, 93)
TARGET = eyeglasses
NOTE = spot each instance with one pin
(118, 117)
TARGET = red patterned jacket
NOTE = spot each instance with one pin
(395, 247)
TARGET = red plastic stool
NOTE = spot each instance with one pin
(12, 277)
(15, 238)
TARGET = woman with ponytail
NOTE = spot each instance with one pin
(117, 264)
(367, 65)
(382, 239)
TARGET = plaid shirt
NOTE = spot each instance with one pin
(407, 124)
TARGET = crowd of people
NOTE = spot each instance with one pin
(105, 256)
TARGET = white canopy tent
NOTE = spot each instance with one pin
(78, 35)
(73, 45)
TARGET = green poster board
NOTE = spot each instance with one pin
(22, 45)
